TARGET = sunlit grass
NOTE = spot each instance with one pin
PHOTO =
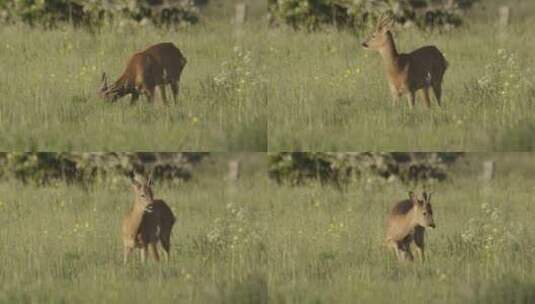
(332, 95)
(50, 80)
(256, 240)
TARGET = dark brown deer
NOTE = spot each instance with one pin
(149, 222)
(406, 224)
(422, 69)
(157, 66)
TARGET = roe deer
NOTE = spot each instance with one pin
(423, 68)
(406, 223)
(157, 66)
(149, 221)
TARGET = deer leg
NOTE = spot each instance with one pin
(405, 249)
(411, 98)
(154, 249)
(144, 252)
(149, 93)
(127, 251)
(419, 242)
(395, 95)
(134, 98)
(166, 244)
(163, 93)
(407, 252)
(174, 89)
(399, 251)
(437, 89)
(426, 96)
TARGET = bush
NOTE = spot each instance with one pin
(296, 167)
(43, 168)
(311, 14)
(94, 12)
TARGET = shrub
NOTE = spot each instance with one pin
(231, 234)
(311, 14)
(93, 12)
(296, 168)
(488, 234)
(43, 168)
(506, 84)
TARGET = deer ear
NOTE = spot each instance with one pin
(412, 196)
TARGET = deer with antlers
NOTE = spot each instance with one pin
(155, 67)
(148, 222)
(422, 69)
(406, 224)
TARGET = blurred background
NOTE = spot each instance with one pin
(337, 169)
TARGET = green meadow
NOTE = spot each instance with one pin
(50, 80)
(259, 88)
(330, 94)
(258, 242)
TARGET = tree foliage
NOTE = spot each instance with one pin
(338, 167)
(95, 12)
(43, 168)
(356, 14)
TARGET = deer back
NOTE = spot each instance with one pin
(169, 57)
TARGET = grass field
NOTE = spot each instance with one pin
(50, 81)
(332, 95)
(257, 241)
(264, 89)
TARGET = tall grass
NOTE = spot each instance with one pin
(255, 242)
(50, 81)
(332, 95)
(257, 88)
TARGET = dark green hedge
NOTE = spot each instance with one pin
(43, 168)
(297, 168)
(312, 14)
(95, 12)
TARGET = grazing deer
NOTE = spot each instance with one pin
(406, 223)
(149, 221)
(423, 68)
(157, 66)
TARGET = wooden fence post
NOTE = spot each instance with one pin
(233, 170)
(241, 14)
(504, 16)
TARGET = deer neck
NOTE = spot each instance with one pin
(390, 55)
(413, 217)
(121, 83)
(136, 214)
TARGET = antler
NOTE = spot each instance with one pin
(104, 85)
(149, 181)
(412, 196)
(385, 20)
